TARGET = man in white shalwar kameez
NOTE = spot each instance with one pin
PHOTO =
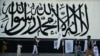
(95, 49)
(19, 50)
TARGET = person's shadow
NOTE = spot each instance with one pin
(35, 55)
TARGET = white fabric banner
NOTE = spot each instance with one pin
(85, 46)
(59, 39)
(55, 44)
(68, 46)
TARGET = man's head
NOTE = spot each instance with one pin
(35, 37)
(89, 37)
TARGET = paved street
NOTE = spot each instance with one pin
(41, 54)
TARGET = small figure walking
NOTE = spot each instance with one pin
(89, 51)
(78, 51)
(19, 50)
(35, 45)
(4, 46)
(95, 49)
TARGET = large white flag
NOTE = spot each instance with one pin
(59, 39)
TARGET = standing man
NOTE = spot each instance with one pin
(78, 51)
(4, 46)
(19, 46)
(89, 41)
(89, 51)
(95, 49)
(35, 45)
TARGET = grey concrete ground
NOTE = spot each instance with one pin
(41, 54)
